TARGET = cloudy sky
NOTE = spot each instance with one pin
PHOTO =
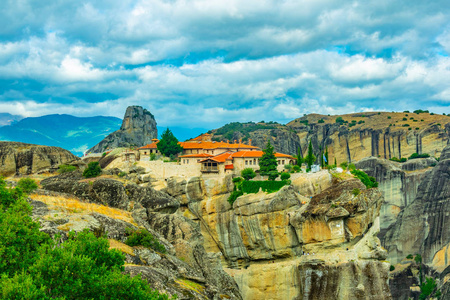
(203, 63)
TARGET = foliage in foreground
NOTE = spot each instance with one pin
(32, 266)
(27, 185)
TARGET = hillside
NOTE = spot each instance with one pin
(352, 137)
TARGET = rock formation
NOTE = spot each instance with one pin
(423, 226)
(138, 129)
(20, 158)
(397, 181)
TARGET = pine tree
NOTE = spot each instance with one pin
(299, 157)
(268, 162)
(327, 162)
(168, 145)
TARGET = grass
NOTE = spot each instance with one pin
(73, 206)
(191, 285)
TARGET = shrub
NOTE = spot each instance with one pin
(418, 258)
(339, 120)
(288, 167)
(389, 117)
(142, 237)
(152, 156)
(410, 256)
(392, 268)
(404, 119)
(93, 170)
(405, 125)
(273, 175)
(416, 155)
(121, 174)
(355, 192)
(402, 159)
(267, 186)
(27, 185)
(296, 168)
(367, 180)
(285, 176)
(248, 173)
(321, 121)
(66, 168)
(234, 195)
(104, 154)
(427, 288)
(351, 166)
(344, 165)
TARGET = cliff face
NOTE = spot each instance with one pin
(398, 182)
(423, 226)
(384, 135)
(263, 237)
(20, 158)
(138, 129)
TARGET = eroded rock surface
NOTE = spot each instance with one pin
(138, 129)
(21, 158)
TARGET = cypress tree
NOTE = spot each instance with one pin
(268, 162)
(310, 158)
(168, 145)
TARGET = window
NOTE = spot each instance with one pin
(250, 162)
(246, 162)
(187, 161)
(282, 162)
(145, 152)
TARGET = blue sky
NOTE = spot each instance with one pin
(206, 63)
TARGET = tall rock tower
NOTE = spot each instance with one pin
(138, 129)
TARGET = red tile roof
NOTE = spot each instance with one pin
(214, 145)
(221, 158)
(149, 146)
(258, 154)
(196, 155)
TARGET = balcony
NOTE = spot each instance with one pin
(209, 170)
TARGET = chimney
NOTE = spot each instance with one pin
(240, 141)
(235, 141)
(249, 142)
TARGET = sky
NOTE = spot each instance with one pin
(204, 63)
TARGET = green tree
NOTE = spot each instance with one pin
(168, 145)
(27, 185)
(268, 162)
(299, 157)
(93, 170)
(327, 162)
(310, 157)
(285, 176)
(248, 173)
(273, 175)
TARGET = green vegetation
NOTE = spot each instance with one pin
(405, 119)
(33, 266)
(299, 157)
(234, 195)
(410, 256)
(392, 268)
(93, 170)
(416, 155)
(367, 180)
(356, 192)
(66, 168)
(268, 163)
(152, 156)
(27, 185)
(288, 167)
(401, 159)
(248, 173)
(285, 176)
(405, 125)
(344, 165)
(296, 168)
(427, 288)
(321, 121)
(168, 144)
(389, 117)
(103, 154)
(340, 120)
(121, 174)
(142, 237)
(310, 158)
(267, 186)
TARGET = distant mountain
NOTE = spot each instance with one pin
(75, 134)
(72, 133)
(8, 119)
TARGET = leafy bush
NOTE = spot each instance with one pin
(405, 125)
(121, 174)
(355, 192)
(418, 258)
(104, 154)
(152, 156)
(288, 167)
(351, 166)
(321, 121)
(142, 237)
(235, 194)
(340, 120)
(416, 155)
(248, 173)
(93, 170)
(296, 168)
(427, 288)
(389, 117)
(404, 119)
(392, 268)
(27, 185)
(367, 180)
(344, 165)
(273, 175)
(410, 256)
(285, 176)
(66, 168)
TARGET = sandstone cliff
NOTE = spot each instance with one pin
(263, 237)
(397, 181)
(20, 158)
(423, 226)
(138, 129)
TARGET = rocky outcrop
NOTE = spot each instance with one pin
(423, 226)
(20, 158)
(111, 192)
(138, 129)
(397, 181)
